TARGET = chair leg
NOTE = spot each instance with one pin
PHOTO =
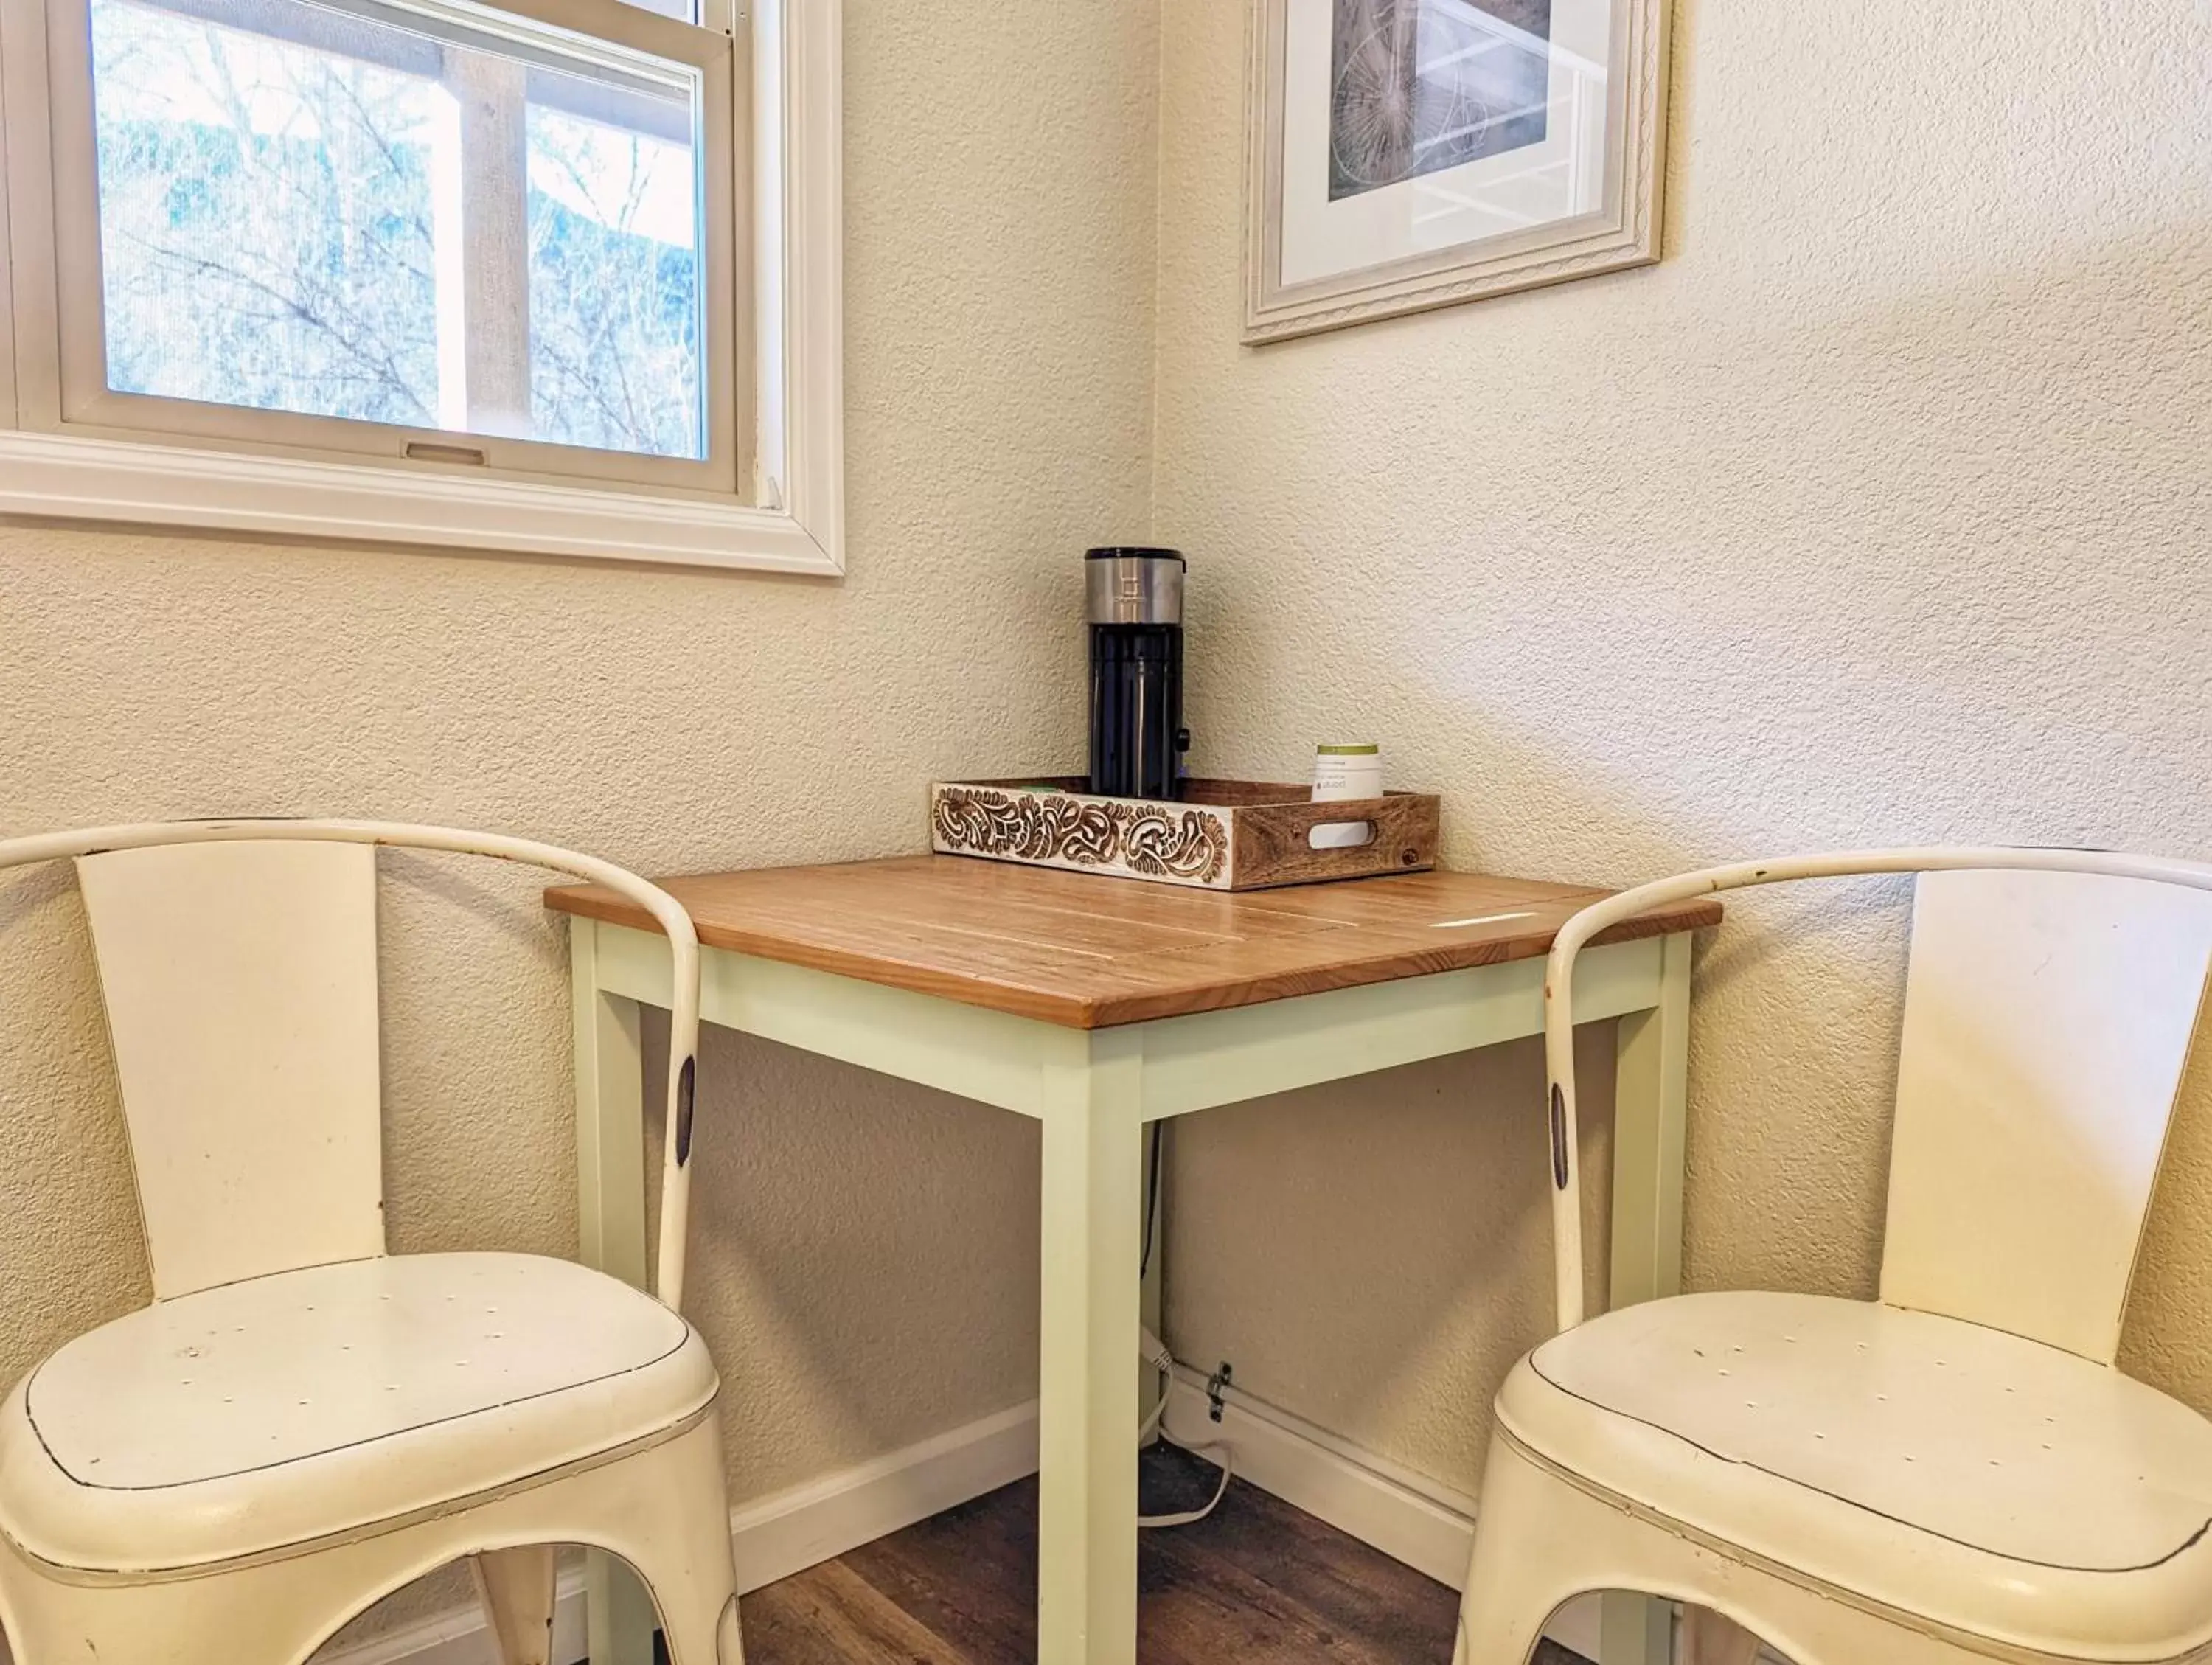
(1517, 1579)
(1708, 1639)
(684, 1558)
(661, 1509)
(1493, 1635)
(516, 1587)
(699, 1634)
(1540, 1540)
(219, 1620)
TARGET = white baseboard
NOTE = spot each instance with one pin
(1431, 1527)
(1409, 1517)
(456, 1637)
(790, 1531)
(1428, 1526)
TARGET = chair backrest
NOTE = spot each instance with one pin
(241, 991)
(2051, 1003)
(2048, 1018)
(240, 986)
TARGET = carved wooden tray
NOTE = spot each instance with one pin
(1220, 835)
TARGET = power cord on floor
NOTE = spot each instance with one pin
(1157, 1355)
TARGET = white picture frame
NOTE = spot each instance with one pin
(1404, 154)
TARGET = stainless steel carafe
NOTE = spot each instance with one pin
(1135, 609)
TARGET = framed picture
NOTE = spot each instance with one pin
(1407, 154)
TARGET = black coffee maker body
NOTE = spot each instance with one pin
(1134, 604)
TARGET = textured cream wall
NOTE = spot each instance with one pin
(1877, 512)
(1374, 1254)
(864, 1253)
(1880, 511)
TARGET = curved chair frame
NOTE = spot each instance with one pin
(508, 1532)
(1559, 970)
(683, 944)
(1548, 1534)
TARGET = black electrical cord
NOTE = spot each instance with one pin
(1151, 1198)
(1219, 1454)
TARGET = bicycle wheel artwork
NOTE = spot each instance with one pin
(1417, 87)
(1412, 153)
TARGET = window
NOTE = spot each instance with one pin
(556, 274)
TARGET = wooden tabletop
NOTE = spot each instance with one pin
(1091, 952)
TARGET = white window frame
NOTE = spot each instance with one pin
(62, 377)
(789, 516)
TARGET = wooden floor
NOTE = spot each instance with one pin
(1258, 1582)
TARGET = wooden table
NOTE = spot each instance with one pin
(1099, 1006)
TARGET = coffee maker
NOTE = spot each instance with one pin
(1135, 609)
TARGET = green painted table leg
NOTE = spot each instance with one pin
(1093, 1207)
(619, 1617)
(1650, 1098)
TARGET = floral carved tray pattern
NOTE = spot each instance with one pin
(1168, 840)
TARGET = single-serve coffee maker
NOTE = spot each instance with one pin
(1135, 608)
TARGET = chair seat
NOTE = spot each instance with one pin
(2000, 1486)
(288, 1408)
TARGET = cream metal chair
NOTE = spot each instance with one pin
(1955, 1471)
(299, 1423)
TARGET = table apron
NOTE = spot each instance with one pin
(1215, 1058)
(1188, 1063)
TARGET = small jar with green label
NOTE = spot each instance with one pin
(1342, 772)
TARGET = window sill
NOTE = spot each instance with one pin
(66, 478)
